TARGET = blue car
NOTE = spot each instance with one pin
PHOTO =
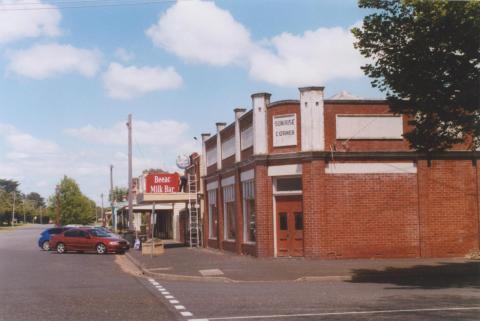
(44, 240)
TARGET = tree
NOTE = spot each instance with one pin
(75, 208)
(36, 199)
(119, 194)
(425, 55)
(9, 185)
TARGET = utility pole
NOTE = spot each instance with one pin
(23, 208)
(102, 213)
(13, 210)
(57, 207)
(114, 219)
(130, 195)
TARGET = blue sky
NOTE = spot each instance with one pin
(70, 77)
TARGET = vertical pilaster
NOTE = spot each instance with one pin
(260, 102)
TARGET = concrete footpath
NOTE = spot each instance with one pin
(200, 264)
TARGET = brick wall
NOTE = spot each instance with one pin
(263, 210)
(370, 215)
(331, 110)
(283, 109)
(449, 207)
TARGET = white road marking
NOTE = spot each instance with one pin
(155, 283)
(169, 297)
(211, 272)
(165, 292)
(179, 307)
(337, 313)
(186, 313)
(174, 301)
(151, 280)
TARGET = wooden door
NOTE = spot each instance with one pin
(289, 216)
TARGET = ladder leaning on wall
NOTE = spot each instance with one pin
(193, 212)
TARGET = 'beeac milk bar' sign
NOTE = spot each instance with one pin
(285, 130)
(162, 183)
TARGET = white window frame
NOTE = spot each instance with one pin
(228, 197)
(246, 138)
(212, 200)
(228, 147)
(211, 156)
(248, 193)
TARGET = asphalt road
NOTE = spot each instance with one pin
(36, 285)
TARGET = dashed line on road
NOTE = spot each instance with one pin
(171, 299)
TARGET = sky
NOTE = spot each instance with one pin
(70, 77)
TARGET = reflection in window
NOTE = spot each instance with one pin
(248, 190)
(283, 222)
(289, 184)
(212, 214)
(298, 221)
(229, 212)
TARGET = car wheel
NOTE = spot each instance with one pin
(46, 246)
(60, 248)
(101, 248)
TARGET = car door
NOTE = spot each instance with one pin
(71, 239)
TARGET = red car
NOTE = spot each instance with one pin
(88, 240)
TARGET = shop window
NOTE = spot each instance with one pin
(248, 191)
(212, 214)
(289, 184)
(283, 222)
(230, 225)
(298, 221)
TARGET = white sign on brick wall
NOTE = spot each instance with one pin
(246, 138)
(284, 130)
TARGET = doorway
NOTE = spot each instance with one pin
(289, 217)
(163, 226)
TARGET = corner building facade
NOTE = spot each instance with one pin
(334, 178)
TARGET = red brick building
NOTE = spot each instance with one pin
(334, 179)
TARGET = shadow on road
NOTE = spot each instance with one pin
(444, 275)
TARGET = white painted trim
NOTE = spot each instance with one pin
(285, 170)
(383, 126)
(371, 168)
(228, 181)
(212, 185)
(247, 175)
(274, 207)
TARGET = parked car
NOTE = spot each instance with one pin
(45, 236)
(88, 240)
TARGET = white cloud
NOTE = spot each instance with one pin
(23, 145)
(124, 55)
(309, 59)
(16, 25)
(202, 32)
(49, 60)
(129, 82)
(159, 133)
(199, 31)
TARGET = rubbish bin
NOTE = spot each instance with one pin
(129, 237)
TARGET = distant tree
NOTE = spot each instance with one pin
(425, 55)
(119, 194)
(36, 199)
(75, 208)
(9, 185)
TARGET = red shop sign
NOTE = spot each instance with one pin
(162, 183)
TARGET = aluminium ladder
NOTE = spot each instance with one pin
(193, 211)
